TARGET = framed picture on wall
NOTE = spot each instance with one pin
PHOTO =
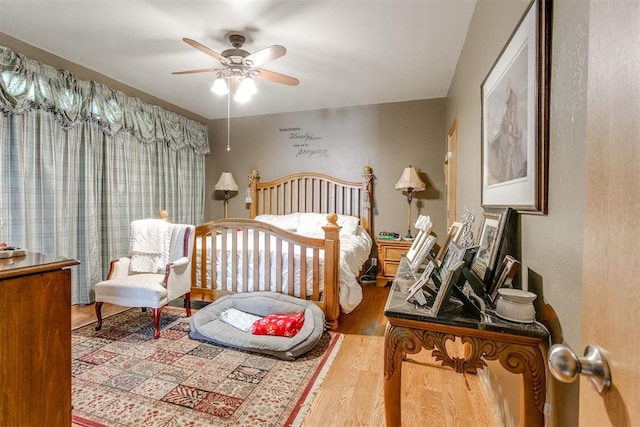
(515, 117)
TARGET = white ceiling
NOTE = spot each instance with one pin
(345, 52)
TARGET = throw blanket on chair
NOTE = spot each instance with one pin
(149, 241)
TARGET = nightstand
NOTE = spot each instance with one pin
(389, 255)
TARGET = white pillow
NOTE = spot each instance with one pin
(287, 222)
(349, 225)
(310, 224)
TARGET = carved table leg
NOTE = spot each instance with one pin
(529, 362)
(398, 342)
(526, 360)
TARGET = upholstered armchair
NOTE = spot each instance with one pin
(157, 270)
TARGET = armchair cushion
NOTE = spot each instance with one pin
(137, 290)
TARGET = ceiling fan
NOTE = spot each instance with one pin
(238, 66)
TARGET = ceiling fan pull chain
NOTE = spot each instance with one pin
(228, 120)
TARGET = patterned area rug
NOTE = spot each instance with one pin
(121, 376)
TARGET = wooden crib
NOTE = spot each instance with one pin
(230, 255)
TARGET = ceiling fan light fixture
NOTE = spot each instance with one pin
(237, 72)
(249, 85)
(246, 89)
(220, 86)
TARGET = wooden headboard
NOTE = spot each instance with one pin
(314, 192)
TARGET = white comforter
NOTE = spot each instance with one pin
(354, 251)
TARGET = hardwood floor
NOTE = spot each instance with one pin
(351, 393)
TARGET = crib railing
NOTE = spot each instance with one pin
(242, 255)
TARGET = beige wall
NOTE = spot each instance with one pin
(387, 137)
(551, 245)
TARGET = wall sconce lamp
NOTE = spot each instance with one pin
(226, 184)
(410, 183)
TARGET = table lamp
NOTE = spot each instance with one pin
(226, 184)
(411, 183)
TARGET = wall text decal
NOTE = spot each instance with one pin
(305, 143)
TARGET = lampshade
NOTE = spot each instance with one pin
(246, 89)
(220, 86)
(410, 179)
(226, 183)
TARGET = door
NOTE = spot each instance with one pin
(611, 290)
(450, 170)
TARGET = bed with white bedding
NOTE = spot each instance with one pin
(278, 249)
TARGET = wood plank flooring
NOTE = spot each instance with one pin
(351, 394)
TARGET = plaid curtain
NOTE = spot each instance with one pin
(79, 162)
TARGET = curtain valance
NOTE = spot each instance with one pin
(27, 85)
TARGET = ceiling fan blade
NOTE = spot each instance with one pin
(267, 54)
(277, 77)
(204, 49)
(202, 70)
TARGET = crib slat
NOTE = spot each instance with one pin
(316, 274)
(234, 259)
(303, 272)
(245, 260)
(256, 259)
(223, 258)
(267, 263)
(292, 270)
(203, 264)
(278, 266)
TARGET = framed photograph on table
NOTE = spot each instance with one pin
(422, 282)
(454, 254)
(504, 276)
(422, 253)
(446, 288)
(489, 241)
(456, 231)
(515, 117)
(453, 234)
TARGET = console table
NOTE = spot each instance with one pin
(516, 345)
(35, 332)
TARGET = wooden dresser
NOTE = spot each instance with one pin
(389, 255)
(35, 337)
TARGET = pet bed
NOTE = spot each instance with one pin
(207, 326)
